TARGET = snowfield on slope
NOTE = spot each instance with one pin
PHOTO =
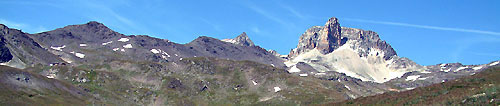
(346, 60)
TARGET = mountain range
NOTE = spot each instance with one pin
(92, 64)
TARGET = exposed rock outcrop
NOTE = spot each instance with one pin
(325, 39)
(356, 52)
(331, 36)
(241, 39)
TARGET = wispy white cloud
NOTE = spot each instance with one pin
(24, 27)
(41, 29)
(255, 29)
(425, 26)
(216, 27)
(293, 11)
(266, 14)
(13, 24)
(106, 13)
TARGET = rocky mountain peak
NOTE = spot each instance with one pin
(95, 24)
(92, 31)
(92, 26)
(241, 39)
(324, 38)
(2, 26)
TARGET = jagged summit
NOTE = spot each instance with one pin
(241, 39)
(324, 38)
(355, 52)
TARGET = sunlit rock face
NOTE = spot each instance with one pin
(355, 52)
(325, 39)
(241, 39)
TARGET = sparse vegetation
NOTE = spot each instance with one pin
(479, 89)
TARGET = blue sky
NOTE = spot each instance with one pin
(426, 31)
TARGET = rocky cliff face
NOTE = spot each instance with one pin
(241, 39)
(19, 50)
(325, 39)
(356, 52)
(331, 36)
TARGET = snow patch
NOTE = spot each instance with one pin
(116, 49)
(254, 83)
(123, 40)
(447, 70)
(51, 76)
(106, 43)
(347, 87)
(163, 54)
(412, 77)
(58, 48)
(155, 51)
(494, 63)
(410, 88)
(79, 55)
(83, 45)
(303, 75)
(276, 89)
(127, 46)
(477, 68)
(461, 68)
(347, 60)
(425, 72)
(320, 74)
(422, 78)
(294, 69)
(229, 40)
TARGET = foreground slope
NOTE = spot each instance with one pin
(19, 87)
(191, 81)
(481, 88)
(18, 50)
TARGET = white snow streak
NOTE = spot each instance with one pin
(412, 78)
(106, 43)
(347, 87)
(79, 55)
(155, 51)
(123, 40)
(58, 48)
(494, 63)
(127, 46)
(477, 68)
(294, 69)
